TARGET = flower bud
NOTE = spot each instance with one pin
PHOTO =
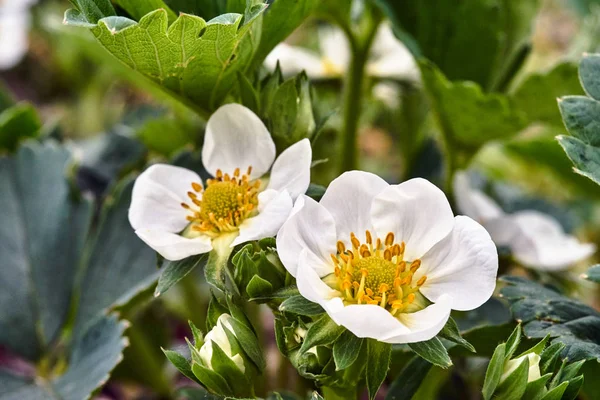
(218, 336)
(534, 367)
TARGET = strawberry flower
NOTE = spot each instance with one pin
(175, 214)
(387, 262)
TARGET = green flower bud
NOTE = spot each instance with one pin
(218, 336)
(534, 367)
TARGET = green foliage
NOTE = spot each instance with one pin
(18, 123)
(137, 9)
(346, 350)
(493, 35)
(194, 60)
(409, 380)
(378, 363)
(593, 274)
(546, 312)
(257, 271)
(174, 271)
(322, 332)
(432, 350)
(452, 333)
(46, 232)
(580, 115)
(467, 117)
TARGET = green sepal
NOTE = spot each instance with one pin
(378, 362)
(494, 372)
(346, 350)
(322, 332)
(301, 306)
(536, 389)
(198, 336)
(550, 356)
(557, 392)
(223, 365)
(258, 287)
(513, 343)
(573, 389)
(249, 343)
(514, 386)
(432, 350)
(210, 379)
(451, 332)
(215, 309)
(181, 363)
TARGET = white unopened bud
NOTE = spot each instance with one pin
(534, 367)
(217, 335)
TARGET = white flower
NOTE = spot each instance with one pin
(218, 336)
(387, 262)
(389, 58)
(535, 239)
(15, 20)
(534, 367)
(178, 217)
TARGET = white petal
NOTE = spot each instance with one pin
(348, 198)
(157, 196)
(14, 32)
(172, 246)
(364, 320)
(424, 324)
(310, 284)
(335, 50)
(269, 219)
(463, 265)
(312, 228)
(472, 202)
(390, 58)
(294, 60)
(542, 243)
(236, 138)
(416, 211)
(291, 170)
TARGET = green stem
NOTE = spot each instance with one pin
(360, 46)
(334, 393)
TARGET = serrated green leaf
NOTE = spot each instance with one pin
(451, 332)
(378, 362)
(346, 350)
(580, 115)
(433, 351)
(593, 274)
(181, 363)
(585, 158)
(409, 380)
(589, 73)
(301, 306)
(195, 61)
(18, 123)
(467, 117)
(494, 372)
(322, 332)
(174, 271)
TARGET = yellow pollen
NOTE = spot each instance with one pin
(375, 272)
(223, 205)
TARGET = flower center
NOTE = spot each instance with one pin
(376, 273)
(225, 203)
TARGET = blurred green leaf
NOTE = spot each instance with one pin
(137, 9)
(166, 135)
(195, 61)
(18, 123)
(537, 95)
(409, 380)
(90, 11)
(467, 117)
(546, 312)
(593, 274)
(492, 35)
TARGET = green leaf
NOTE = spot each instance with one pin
(18, 123)
(557, 392)
(585, 158)
(174, 271)
(536, 96)
(280, 20)
(491, 34)
(589, 73)
(580, 115)
(537, 388)
(593, 274)
(91, 11)
(249, 343)
(378, 362)
(550, 356)
(166, 135)
(137, 9)
(258, 287)
(346, 350)
(514, 386)
(195, 61)
(573, 388)
(315, 191)
(322, 332)
(433, 351)
(94, 353)
(513, 343)
(181, 363)
(546, 312)
(409, 380)
(451, 332)
(494, 372)
(209, 378)
(224, 366)
(301, 306)
(467, 117)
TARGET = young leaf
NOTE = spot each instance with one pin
(322, 332)
(181, 363)
(378, 362)
(409, 380)
(174, 271)
(433, 351)
(258, 287)
(513, 342)
(451, 332)
(249, 343)
(301, 306)
(346, 350)
(494, 372)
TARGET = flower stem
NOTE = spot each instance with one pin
(360, 46)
